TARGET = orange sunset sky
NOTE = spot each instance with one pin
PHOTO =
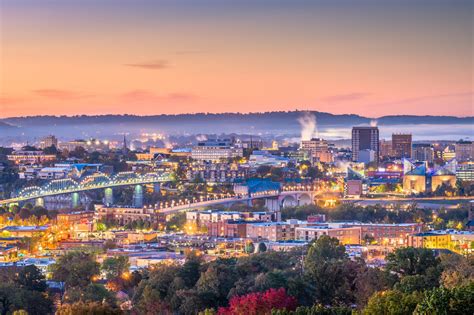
(371, 58)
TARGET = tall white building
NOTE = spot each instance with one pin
(215, 150)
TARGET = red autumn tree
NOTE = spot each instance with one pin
(259, 303)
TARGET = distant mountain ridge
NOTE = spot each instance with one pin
(322, 118)
(275, 123)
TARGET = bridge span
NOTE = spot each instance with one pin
(92, 182)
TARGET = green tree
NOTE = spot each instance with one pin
(115, 267)
(14, 298)
(392, 302)
(261, 247)
(155, 291)
(249, 248)
(411, 261)
(190, 270)
(329, 272)
(75, 269)
(93, 292)
(88, 308)
(323, 249)
(31, 278)
(442, 301)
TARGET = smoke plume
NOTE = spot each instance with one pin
(308, 126)
(201, 137)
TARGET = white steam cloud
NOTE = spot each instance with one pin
(308, 126)
(201, 137)
(373, 123)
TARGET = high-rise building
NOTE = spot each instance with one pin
(401, 145)
(318, 148)
(465, 171)
(365, 138)
(385, 148)
(215, 150)
(464, 151)
(48, 141)
(422, 152)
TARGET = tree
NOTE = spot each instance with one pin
(51, 150)
(323, 249)
(115, 267)
(39, 211)
(259, 303)
(417, 268)
(312, 172)
(78, 152)
(392, 302)
(93, 292)
(411, 261)
(13, 298)
(75, 269)
(457, 270)
(190, 270)
(368, 281)
(24, 213)
(261, 247)
(176, 222)
(31, 278)
(316, 310)
(88, 308)
(273, 279)
(444, 301)
(329, 272)
(249, 248)
(154, 292)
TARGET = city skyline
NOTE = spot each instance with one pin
(147, 58)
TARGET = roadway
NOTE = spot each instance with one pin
(214, 202)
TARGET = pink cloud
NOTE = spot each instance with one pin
(346, 97)
(151, 65)
(60, 94)
(145, 96)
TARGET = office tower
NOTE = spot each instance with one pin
(215, 150)
(365, 138)
(385, 148)
(401, 145)
(48, 141)
(318, 148)
(464, 151)
(422, 152)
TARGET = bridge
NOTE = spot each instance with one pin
(91, 182)
(274, 199)
(289, 197)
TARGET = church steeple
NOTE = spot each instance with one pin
(124, 147)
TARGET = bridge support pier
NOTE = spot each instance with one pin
(75, 199)
(272, 204)
(39, 202)
(108, 196)
(138, 197)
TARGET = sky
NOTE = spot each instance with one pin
(372, 58)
